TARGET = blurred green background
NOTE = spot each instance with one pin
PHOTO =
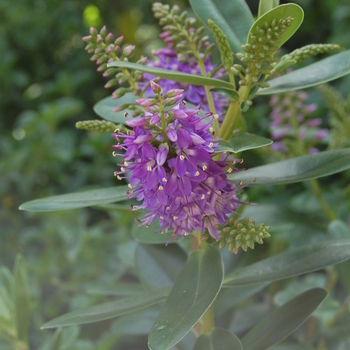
(47, 84)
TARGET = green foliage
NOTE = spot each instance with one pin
(232, 17)
(193, 292)
(267, 5)
(243, 142)
(321, 72)
(218, 339)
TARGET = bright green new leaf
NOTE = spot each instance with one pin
(242, 143)
(105, 108)
(321, 72)
(108, 310)
(193, 292)
(218, 339)
(283, 321)
(158, 266)
(292, 263)
(266, 6)
(173, 75)
(282, 11)
(296, 169)
(77, 199)
(21, 298)
(233, 17)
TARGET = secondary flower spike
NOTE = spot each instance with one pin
(170, 165)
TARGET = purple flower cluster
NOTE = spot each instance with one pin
(289, 112)
(169, 164)
(166, 58)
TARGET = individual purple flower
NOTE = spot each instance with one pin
(166, 58)
(172, 170)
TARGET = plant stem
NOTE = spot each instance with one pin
(318, 194)
(208, 320)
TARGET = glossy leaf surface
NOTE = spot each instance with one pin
(77, 199)
(243, 142)
(297, 169)
(292, 263)
(321, 72)
(233, 17)
(283, 321)
(158, 266)
(218, 339)
(105, 108)
(108, 310)
(282, 11)
(193, 292)
(173, 75)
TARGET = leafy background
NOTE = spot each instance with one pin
(47, 83)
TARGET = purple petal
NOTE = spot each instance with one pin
(171, 186)
(162, 155)
(180, 166)
(143, 138)
(185, 185)
(184, 139)
(171, 133)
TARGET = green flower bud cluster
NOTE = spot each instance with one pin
(339, 117)
(178, 31)
(96, 125)
(309, 51)
(242, 233)
(259, 52)
(104, 50)
(223, 45)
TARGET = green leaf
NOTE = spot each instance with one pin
(108, 310)
(233, 17)
(193, 292)
(242, 143)
(173, 75)
(338, 229)
(231, 93)
(121, 289)
(77, 199)
(158, 266)
(229, 297)
(296, 169)
(105, 108)
(21, 298)
(321, 72)
(218, 339)
(282, 11)
(266, 6)
(283, 321)
(292, 263)
(56, 340)
(151, 234)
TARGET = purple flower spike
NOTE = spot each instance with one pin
(171, 169)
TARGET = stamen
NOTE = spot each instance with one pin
(149, 168)
(164, 179)
(129, 185)
(114, 154)
(182, 157)
(160, 188)
(126, 163)
(204, 167)
(168, 208)
(229, 170)
(197, 173)
(211, 145)
(203, 196)
(175, 217)
(122, 169)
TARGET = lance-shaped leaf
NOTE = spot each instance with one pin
(297, 169)
(292, 263)
(193, 292)
(279, 12)
(105, 108)
(56, 340)
(321, 72)
(173, 75)
(232, 17)
(231, 93)
(283, 321)
(77, 199)
(242, 143)
(218, 339)
(108, 310)
(266, 6)
(21, 298)
(158, 266)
